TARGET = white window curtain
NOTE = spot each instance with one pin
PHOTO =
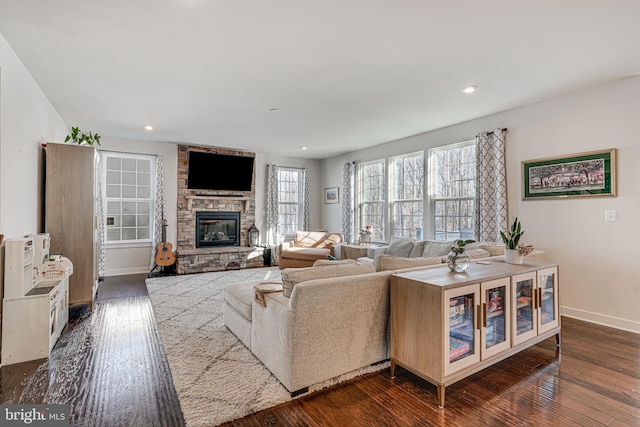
(348, 207)
(272, 205)
(159, 208)
(491, 185)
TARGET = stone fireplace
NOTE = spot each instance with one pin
(213, 244)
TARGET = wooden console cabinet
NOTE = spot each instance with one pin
(446, 326)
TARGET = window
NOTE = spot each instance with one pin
(407, 186)
(290, 200)
(129, 186)
(453, 173)
(370, 198)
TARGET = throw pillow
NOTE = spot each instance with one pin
(293, 276)
(387, 263)
(399, 246)
(477, 253)
(322, 262)
(494, 249)
(418, 248)
(436, 248)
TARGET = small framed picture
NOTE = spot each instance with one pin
(331, 195)
(591, 174)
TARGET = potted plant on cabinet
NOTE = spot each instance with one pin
(80, 138)
(457, 260)
(512, 254)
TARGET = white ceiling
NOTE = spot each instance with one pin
(345, 74)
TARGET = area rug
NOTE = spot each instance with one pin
(216, 377)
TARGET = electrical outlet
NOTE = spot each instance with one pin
(610, 216)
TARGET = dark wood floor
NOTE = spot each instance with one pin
(109, 365)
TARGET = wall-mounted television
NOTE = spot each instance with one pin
(213, 171)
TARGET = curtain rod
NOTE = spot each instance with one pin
(502, 129)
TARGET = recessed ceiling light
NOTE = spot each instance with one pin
(303, 148)
(470, 89)
(148, 127)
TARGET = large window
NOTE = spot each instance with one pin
(407, 187)
(453, 172)
(129, 181)
(290, 200)
(370, 198)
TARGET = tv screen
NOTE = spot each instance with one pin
(212, 171)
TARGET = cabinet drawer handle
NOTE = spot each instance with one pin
(478, 317)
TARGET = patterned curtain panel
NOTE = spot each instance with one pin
(491, 185)
(159, 209)
(272, 205)
(348, 207)
(102, 237)
(306, 222)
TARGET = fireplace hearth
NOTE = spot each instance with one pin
(216, 229)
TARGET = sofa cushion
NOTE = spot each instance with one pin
(477, 253)
(388, 263)
(436, 248)
(417, 249)
(316, 239)
(399, 246)
(304, 253)
(240, 297)
(292, 276)
(494, 249)
(324, 262)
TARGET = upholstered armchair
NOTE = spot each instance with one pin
(306, 248)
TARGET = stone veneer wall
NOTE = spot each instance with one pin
(197, 260)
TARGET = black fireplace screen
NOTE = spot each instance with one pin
(217, 229)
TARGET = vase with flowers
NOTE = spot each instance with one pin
(365, 235)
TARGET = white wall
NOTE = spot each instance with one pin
(27, 119)
(598, 282)
(135, 257)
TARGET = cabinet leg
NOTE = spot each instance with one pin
(558, 342)
(393, 369)
(441, 389)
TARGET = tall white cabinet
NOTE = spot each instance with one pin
(71, 209)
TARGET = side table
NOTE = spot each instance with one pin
(354, 251)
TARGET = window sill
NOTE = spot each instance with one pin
(127, 245)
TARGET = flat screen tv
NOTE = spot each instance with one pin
(213, 171)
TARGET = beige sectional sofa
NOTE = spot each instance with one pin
(335, 320)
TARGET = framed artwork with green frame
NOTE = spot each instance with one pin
(591, 174)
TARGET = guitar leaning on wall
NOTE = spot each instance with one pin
(164, 254)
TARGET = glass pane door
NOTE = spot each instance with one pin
(524, 313)
(495, 303)
(461, 328)
(548, 299)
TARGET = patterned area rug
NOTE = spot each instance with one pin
(217, 378)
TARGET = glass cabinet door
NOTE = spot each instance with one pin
(496, 330)
(461, 328)
(523, 302)
(547, 299)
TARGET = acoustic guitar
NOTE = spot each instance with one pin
(164, 254)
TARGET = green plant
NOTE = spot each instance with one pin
(79, 137)
(513, 235)
(458, 245)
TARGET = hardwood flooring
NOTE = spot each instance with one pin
(110, 366)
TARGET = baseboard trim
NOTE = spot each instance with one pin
(125, 271)
(601, 319)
